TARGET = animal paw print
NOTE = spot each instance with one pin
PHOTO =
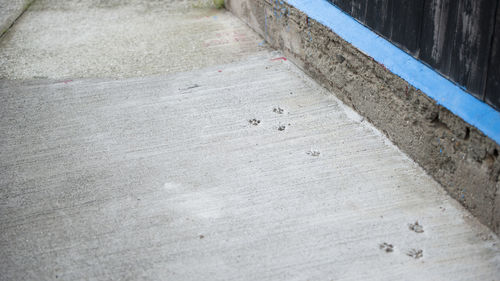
(388, 248)
(254, 122)
(416, 227)
(416, 254)
(313, 152)
(278, 110)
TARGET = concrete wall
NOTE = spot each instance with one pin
(455, 153)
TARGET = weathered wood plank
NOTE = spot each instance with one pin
(355, 8)
(492, 93)
(378, 17)
(397, 20)
(406, 23)
(438, 24)
(472, 43)
(452, 36)
(456, 40)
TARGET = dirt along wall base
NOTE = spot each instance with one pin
(456, 154)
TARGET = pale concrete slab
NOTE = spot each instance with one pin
(164, 178)
(10, 10)
(95, 38)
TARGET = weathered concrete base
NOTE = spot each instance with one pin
(456, 154)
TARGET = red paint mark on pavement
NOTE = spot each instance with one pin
(280, 58)
(220, 70)
(66, 81)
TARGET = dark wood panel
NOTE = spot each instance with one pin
(456, 37)
(397, 20)
(406, 23)
(355, 8)
(438, 25)
(492, 95)
(344, 5)
(378, 17)
(452, 36)
(472, 43)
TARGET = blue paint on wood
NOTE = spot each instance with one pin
(443, 91)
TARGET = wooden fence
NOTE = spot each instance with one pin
(458, 38)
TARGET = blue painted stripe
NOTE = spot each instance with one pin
(422, 77)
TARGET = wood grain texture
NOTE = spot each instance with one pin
(356, 8)
(453, 37)
(456, 39)
(492, 95)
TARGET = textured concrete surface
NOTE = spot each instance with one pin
(68, 39)
(164, 178)
(10, 10)
(246, 170)
(456, 154)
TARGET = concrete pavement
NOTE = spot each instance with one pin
(238, 167)
(10, 11)
(68, 39)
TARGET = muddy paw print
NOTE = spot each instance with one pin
(313, 152)
(416, 254)
(388, 248)
(254, 122)
(416, 227)
(278, 110)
